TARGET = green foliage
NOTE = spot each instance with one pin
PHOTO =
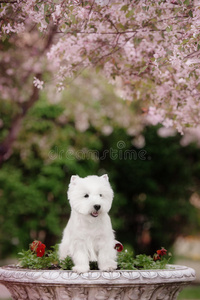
(44, 110)
(154, 207)
(93, 265)
(66, 264)
(143, 261)
(125, 261)
(34, 181)
(29, 260)
(50, 260)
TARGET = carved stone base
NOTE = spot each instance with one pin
(26, 284)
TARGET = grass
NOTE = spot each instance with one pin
(191, 292)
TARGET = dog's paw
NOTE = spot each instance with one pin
(80, 269)
(109, 267)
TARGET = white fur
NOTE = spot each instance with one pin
(88, 238)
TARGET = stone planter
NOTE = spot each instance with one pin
(25, 284)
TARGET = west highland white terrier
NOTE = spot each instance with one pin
(88, 235)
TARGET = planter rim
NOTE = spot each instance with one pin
(173, 273)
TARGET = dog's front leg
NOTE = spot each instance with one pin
(81, 260)
(107, 258)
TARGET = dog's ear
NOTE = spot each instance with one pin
(105, 176)
(73, 179)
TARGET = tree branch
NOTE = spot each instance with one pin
(7, 2)
(7, 145)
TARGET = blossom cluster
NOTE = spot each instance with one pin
(38, 83)
(38, 248)
(149, 49)
(159, 253)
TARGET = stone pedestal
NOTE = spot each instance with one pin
(25, 284)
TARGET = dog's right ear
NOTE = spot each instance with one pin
(73, 179)
(105, 176)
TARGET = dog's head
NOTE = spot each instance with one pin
(91, 195)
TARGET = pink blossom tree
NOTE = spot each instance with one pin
(149, 49)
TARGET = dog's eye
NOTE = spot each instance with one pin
(100, 195)
(86, 196)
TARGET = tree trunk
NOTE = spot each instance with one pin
(6, 147)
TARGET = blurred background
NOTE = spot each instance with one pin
(88, 129)
(155, 179)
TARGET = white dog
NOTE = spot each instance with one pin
(88, 235)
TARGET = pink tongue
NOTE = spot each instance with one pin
(95, 214)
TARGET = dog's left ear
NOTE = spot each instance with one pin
(73, 179)
(105, 176)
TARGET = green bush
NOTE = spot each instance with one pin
(154, 207)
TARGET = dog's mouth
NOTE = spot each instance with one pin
(94, 214)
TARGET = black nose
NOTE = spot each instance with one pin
(97, 207)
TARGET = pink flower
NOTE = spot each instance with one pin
(38, 83)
